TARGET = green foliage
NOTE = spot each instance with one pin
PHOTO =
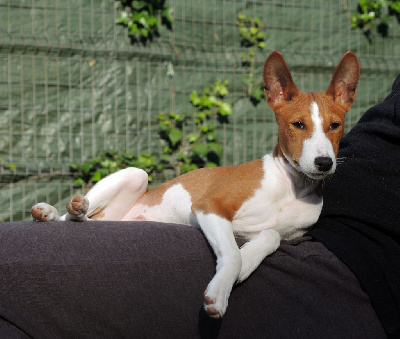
(253, 39)
(109, 162)
(7, 165)
(182, 152)
(142, 18)
(250, 32)
(375, 14)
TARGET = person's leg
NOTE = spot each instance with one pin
(144, 279)
(8, 330)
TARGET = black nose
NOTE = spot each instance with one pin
(323, 164)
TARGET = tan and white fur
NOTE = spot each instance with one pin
(266, 200)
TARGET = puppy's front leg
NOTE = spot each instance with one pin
(256, 250)
(218, 232)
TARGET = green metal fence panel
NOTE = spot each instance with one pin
(73, 84)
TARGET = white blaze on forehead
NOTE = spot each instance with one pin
(316, 119)
(318, 145)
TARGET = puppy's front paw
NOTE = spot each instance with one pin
(211, 308)
(216, 299)
(78, 206)
(44, 212)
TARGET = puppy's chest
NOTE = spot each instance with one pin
(278, 205)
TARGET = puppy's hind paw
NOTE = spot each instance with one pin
(44, 212)
(78, 206)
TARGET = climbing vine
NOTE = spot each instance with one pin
(199, 148)
(188, 140)
(92, 171)
(253, 39)
(182, 151)
(7, 165)
(375, 14)
(142, 18)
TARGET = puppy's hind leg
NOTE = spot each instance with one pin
(44, 212)
(112, 197)
(77, 208)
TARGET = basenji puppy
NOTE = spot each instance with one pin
(266, 200)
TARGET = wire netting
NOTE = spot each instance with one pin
(73, 84)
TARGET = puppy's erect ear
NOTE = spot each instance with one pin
(278, 83)
(343, 86)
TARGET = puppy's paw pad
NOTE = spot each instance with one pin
(210, 308)
(43, 212)
(78, 205)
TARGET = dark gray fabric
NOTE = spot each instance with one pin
(146, 280)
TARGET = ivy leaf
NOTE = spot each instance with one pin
(167, 150)
(74, 167)
(182, 157)
(257, 93)
(225, 109)
(96, 177)
(133, 28)
(138, 5)
(194, 98)
(86, 167)
(167, 15)
(223, 90)
(200, 117)
(205, 128)
(122, 19)
(395, 5)
(200, 149)
(175, 135)
(205, 102)
(188, 168)
(129, 156)
(245, 33)
(161, 116)
(153, 22)
(253, 30)
(143, 21)
(193, 137)
(211, 136)
(241, 16)
(146, 160)
(212, 99)
(78, 181)
(144, 32)
(260, 36)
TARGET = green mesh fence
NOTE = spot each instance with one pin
(72, 84)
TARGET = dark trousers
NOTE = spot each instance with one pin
(146, 280)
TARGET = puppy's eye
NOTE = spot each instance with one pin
(334, 125)
(298, 125)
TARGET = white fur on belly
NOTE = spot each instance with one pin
(175, 207)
